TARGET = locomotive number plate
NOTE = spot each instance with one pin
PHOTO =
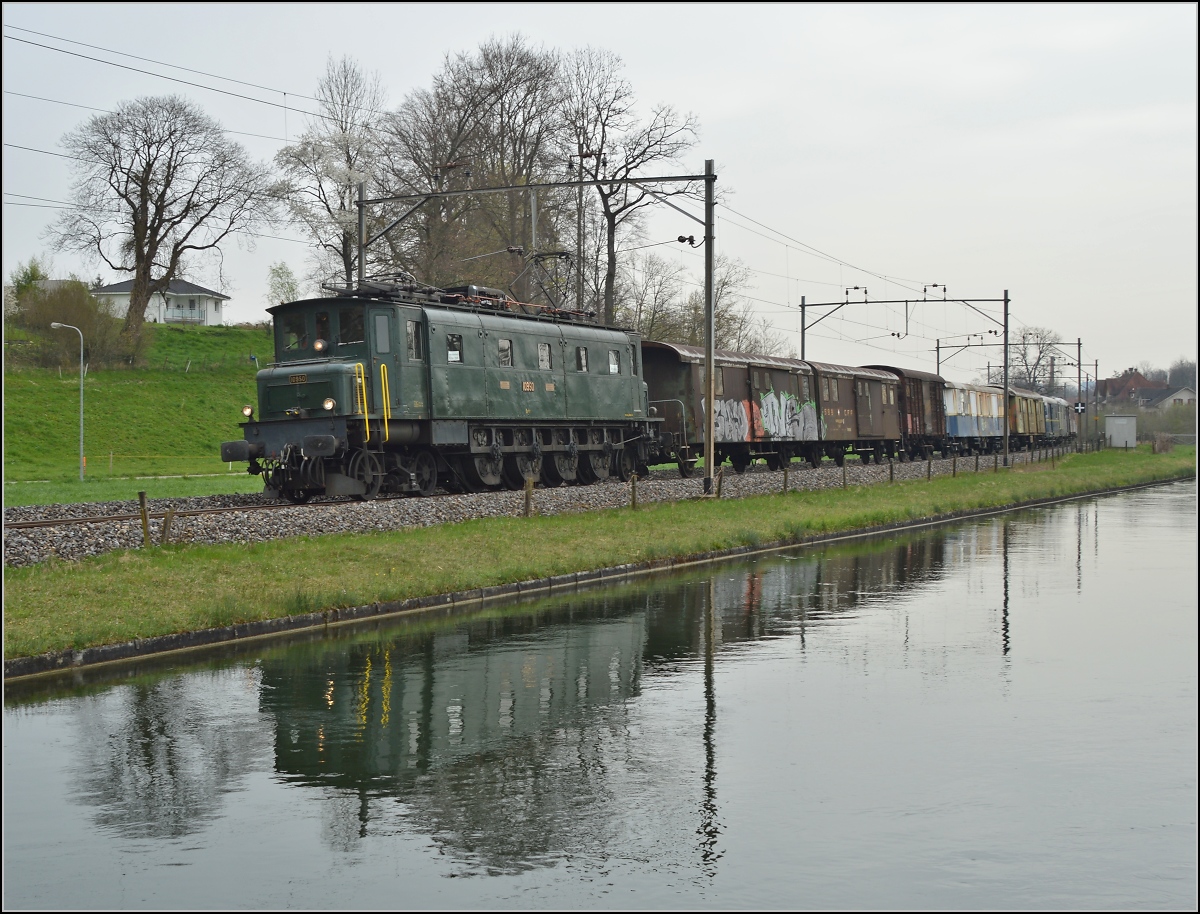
(527, 386)
(298, 378)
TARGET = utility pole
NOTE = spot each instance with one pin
(362, 232)
(1079, 386)
(710, 408)
(1006, 412)
(1051, 376)
(579, 238)
(802, 328)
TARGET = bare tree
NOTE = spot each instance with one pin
(653, 302)
(1030, 355)
(1182, 373)
(323, 168)
(612, 145)
(157, 181)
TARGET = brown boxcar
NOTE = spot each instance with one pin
(922, 412)
(765, 406)
(860, 411)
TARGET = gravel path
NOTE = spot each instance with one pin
(78, 541)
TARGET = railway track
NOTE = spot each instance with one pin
(160, 515)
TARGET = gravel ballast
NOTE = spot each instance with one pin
(74, 542)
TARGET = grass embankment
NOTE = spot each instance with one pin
(167, 418)
(164, 590)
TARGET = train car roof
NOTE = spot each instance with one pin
(982, 388)
(908, 373)
(695, 354)
(873, 373)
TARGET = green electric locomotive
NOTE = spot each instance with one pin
(399, 388)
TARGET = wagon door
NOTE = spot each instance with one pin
(863, 407)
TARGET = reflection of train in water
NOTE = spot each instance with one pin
(398, 387)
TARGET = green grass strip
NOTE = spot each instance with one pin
(165, 590)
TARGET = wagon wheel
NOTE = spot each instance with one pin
(840, 458)
(626, 461)
(364, 467)
(686, 467)
(814, 459)
(297, 496)
(775, 461)
(425, 473)
(741, 461)
(878, 455)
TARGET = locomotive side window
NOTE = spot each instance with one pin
(323, 326)
(505, 353)
(833, 388)
(383, 334)
(350, 326)
(804, 387)
(614, 361)
(544, 356)
(454, 347)
(416, 347)
(295, 334)
(581, 363)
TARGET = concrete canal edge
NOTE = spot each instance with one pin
(448, 605)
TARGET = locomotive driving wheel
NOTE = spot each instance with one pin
(626, 462)
(425, 474)
(520, 467)
(364, 467)
(482, 471)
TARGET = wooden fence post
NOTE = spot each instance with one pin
(785, 479)
(529, 496)
(145, 519)
(633, 491)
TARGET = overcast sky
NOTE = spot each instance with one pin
(1047, 150)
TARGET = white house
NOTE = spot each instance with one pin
(183, 302)
(1174, 396)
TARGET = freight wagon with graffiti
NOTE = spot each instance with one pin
(771, 408)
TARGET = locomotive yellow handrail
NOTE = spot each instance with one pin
(387, 399)
(360, 395)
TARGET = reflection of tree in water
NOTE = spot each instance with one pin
(514, 742)
(159, 757)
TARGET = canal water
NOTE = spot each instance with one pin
(997, 714)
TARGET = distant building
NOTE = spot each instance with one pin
(183, 302)
(1131, 388)
(1171, 396)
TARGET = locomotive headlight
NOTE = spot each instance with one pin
(247, 411)
(329, 403)
(320, 346)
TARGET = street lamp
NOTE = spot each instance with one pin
(57, 326)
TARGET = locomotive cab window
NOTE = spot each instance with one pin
(416, 346)
(454, 350)
(350, 326)
(295, 332)
(614, 361)
(581, 362)
(544, 356)
(506, 360)
(323, 326)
